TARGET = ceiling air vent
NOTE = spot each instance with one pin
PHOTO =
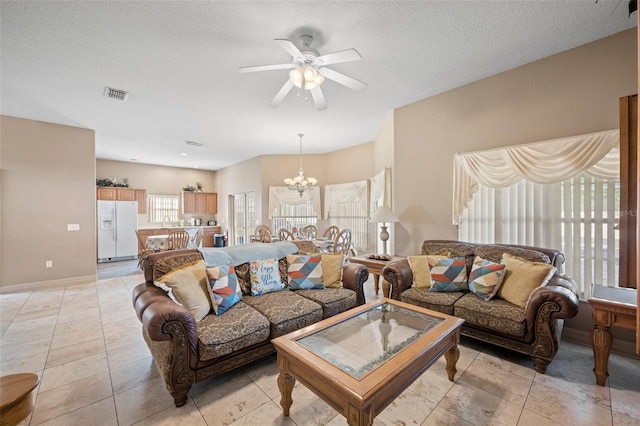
(118, 94)
(192, 143)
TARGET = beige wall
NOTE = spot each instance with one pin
(571, 93)
(47, 174)
(157, 180)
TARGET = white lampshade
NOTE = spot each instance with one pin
(384, 215)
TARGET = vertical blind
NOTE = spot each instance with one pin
(163, 208)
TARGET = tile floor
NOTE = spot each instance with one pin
(84, 342)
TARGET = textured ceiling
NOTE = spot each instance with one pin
(179, 60)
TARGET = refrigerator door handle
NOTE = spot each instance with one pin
(115, 223)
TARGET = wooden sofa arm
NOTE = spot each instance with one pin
(156, 310)
(399, 276)
(550, 302)
(353, 277)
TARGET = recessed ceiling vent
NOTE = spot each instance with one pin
(192, 143)
(118, 94)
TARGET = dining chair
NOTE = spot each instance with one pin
(310, 232)
(331, 232)
(262, 234)
(342, 243)
(285, 235)
(143, 248)
(197, 238)
(178, 240)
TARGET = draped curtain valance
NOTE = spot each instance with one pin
(282, 194)
(542, 162)
(343, 193)
(380, 190)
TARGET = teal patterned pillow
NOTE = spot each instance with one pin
(486, 277)
(304, 271)
(449, 275)
(265, 276)
(223, 288)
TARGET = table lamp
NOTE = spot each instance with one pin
(384, 215)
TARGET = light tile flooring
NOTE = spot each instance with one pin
(84, 342)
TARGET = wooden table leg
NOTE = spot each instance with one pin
(285, 384)
(452, 356)
(376, 282)
(601, 341)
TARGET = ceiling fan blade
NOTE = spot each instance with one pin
(345, 80)
(266, 67)
(284, 90)
(318, 98)
(290, 47)
(339, 57)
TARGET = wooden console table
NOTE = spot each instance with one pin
(612, 306)
(375, 267)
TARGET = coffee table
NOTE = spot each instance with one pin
(360, 360)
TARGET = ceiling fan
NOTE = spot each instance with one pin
(308, 70)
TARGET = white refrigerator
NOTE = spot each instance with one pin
(117, 225)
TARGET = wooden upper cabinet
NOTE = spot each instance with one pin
(123, 194)
(199, 202)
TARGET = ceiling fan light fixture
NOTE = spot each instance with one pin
(297, 77)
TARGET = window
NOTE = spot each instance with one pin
(163, 208)
(576, 216)
(346, 206)
(287, 209)
(574, 207)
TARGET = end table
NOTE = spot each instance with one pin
(375, 267)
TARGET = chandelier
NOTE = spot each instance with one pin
(300, 183)
(307, 76)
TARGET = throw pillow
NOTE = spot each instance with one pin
(224, 288)
(265, 276)
(304, 272)
(420, 268)
(332, 270)
(485, 278)
(187, 286)
(521, 278)
(448, 274)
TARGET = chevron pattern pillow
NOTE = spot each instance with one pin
(448, 274)
(224, 288)
(486, 277)
(304, 271)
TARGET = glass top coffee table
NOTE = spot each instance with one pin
(361, 360)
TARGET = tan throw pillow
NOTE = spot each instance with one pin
(521, 278)
(332, 270)
(188, 286)
(420, 268)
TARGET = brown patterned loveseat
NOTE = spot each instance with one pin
(187, 351)
(533, 330)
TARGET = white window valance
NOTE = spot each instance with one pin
(541, 162)
(282, 194)
(343, 193)
(380, 190)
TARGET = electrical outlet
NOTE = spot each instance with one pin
(49, 264)
(73, 226)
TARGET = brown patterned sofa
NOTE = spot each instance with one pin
(187, 351)
(534, 330)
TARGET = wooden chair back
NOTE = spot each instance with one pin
(331, 232)
(143, 248)
(342, 243)
(310, 232)
(178, 240)
(285, 235)
(197, 239)
(262, 234)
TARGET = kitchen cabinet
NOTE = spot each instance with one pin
(141, 198)
(207, 235)
(199, 203)
(123, 194)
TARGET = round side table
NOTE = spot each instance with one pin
(16, 400)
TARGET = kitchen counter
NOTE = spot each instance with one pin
(176, 227)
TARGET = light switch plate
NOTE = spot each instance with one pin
(73, 226)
